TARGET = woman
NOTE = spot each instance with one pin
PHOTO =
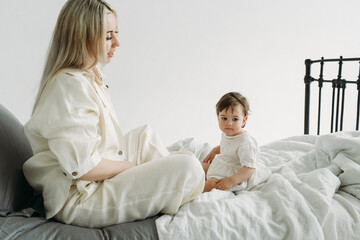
(89, 173)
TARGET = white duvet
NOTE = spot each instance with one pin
(312, 193)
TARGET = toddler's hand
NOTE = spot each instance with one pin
(210, 157)
(224, 184)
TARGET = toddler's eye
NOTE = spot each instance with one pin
(235, 119)
(224, 118)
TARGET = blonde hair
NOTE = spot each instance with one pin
(79, 33)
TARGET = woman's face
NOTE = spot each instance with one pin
(112, 41)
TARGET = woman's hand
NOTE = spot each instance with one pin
(107, 169)
(225, 184)
(210, 157)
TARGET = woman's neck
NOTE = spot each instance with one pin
(97, 74)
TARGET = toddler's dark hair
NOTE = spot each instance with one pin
(232, 99)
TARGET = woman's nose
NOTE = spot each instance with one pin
(116, 42)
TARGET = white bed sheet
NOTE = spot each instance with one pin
(313, 193)
(346, 209)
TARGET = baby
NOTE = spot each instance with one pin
(234, 164)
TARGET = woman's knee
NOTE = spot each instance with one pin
(189, 163)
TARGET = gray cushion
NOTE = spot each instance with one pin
(15, 149)
(38, 228)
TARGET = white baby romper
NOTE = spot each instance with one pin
(237, 152)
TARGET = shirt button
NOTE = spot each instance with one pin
(120, 152)
(74, 174)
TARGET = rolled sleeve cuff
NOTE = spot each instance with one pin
(250, 164)
(84, 168)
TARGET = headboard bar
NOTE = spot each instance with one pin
(333, 60)
(338, 93)
(339, 83)
(358, 102)
(307, 80)
(320, 81)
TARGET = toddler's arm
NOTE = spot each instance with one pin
(210, 157)
(242, 175)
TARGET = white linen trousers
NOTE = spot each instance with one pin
(159, 183)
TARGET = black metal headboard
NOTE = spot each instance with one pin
(338, 91)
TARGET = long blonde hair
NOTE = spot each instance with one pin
(79, 33)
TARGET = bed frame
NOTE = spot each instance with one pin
(338, 92)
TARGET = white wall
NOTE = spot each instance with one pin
(177, 58)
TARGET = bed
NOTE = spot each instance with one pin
(314, 189)
(312, 193)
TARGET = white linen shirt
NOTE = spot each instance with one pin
(73, 127)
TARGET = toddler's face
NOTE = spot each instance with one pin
(232, 120)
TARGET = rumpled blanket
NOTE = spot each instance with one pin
(297, 201)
